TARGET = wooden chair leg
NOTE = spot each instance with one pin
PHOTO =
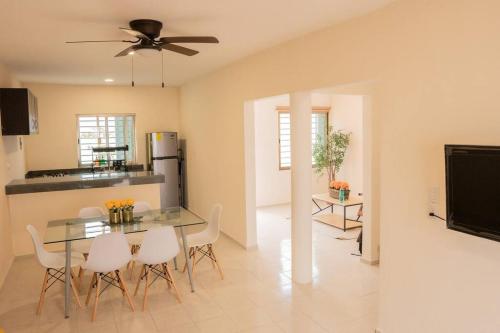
(165, 272)
(139, 281)
(172, 281)
(186, 263)
(97, 291)
(124, 288)
(146, 287)
(92, 281)
(75, 291)
(81, 270)
(42, 293)
(212, 254)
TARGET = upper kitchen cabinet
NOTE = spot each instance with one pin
(19, 111)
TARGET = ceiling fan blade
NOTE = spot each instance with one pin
(127, 51)
(179, 49)
(189, 39)
(101, 41)
(135, 33)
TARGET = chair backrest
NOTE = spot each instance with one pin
(159, 245)
(89, 212)
(108, 252)
(213, 228)
(41, 254)
(141, 206)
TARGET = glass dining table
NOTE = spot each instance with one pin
(74, 229)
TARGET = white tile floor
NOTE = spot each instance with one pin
(256, 295)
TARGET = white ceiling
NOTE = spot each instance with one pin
(33, 32)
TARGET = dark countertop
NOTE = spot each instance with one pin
(82, 181)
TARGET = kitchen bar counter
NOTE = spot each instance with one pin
(82, 181)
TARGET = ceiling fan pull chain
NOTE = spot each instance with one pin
(132, 60)
(162, 72)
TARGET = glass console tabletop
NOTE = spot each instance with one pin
(87, 228)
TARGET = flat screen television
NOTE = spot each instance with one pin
(473, 190)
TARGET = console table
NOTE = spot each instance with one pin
(343, 222)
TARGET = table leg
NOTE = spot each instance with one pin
(175, 263)
(344, 220)
(188, 260)
(67, 282)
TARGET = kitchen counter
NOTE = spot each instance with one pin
(82, 181)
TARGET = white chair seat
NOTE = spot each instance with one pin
(197, 239)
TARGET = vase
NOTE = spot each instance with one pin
(114, 217)
(127, 215)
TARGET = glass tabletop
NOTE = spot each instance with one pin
(87, 228)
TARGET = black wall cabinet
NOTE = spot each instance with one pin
(19, 111)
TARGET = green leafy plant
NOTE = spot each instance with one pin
(329, 152)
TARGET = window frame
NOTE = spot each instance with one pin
(106, 115)
(286, 109)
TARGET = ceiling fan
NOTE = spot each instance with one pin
(147, 34)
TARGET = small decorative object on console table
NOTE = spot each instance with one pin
(127, 210)
(336, 187)
(113, 207)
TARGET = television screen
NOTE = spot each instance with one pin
(473, 190)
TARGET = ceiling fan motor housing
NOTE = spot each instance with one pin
(150, 28)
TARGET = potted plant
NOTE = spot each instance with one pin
(329, 153)
(113, 207)
(127, 210)
(335, 190)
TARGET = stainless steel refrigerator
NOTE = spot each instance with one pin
(162, 159)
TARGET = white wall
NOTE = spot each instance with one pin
(272, 184)
(347, 115)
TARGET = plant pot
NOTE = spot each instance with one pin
(114, 217)
(128, 216)
(336, 194)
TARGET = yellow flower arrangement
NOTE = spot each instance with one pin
(115, 205)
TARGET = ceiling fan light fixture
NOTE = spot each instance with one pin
(131, 53)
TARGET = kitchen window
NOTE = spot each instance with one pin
(319, 127)
(105, 131)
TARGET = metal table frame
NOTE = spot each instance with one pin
(330, 205)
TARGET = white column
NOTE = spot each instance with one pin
(301, 168)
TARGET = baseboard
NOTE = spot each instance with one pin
(5, 271)
(373, 262)
(237, 242)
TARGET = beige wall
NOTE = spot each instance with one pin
(11, 165)
(55, 146)
(435, 65)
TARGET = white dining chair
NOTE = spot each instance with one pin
(201, 243)
(54, 264)
(135, 239)
(83, 245)
(160, 245)
(108, 253)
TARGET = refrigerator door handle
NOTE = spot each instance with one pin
(164, 158)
